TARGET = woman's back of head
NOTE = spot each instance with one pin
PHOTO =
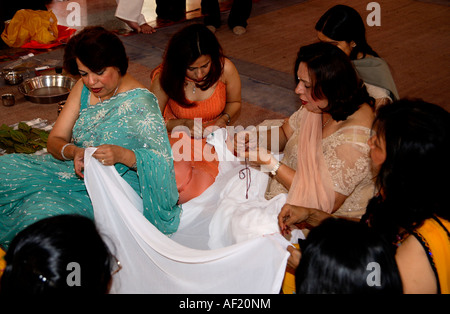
(42, 259)
(346, 257)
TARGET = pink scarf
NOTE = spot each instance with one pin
(312, 185)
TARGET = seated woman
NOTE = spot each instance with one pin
(409, 149)
(195, 81)
(326, 161)
(343, 26)
(108, 109)
(329, 168)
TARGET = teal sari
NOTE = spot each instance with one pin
(34, 187)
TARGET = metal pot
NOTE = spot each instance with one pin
(13, 78)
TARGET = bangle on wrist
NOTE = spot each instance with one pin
(228, 116)
(274, 170)
(62, 151)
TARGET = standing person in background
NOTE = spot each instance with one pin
(173, 10)
(237, 20)
(130, 12)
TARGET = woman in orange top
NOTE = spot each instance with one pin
(195, 81)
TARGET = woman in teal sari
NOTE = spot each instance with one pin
(107, 109)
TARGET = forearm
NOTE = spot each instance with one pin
(231, 112)
(285, 175)
(61, 149)
(173, 123)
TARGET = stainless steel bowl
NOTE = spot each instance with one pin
(13, 78)
(47, 89)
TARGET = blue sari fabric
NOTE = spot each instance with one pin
(34, 187)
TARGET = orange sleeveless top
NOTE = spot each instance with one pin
(194, 176)
(208, 109)
(434, 235)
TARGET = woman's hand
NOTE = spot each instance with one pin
(109, 155)
(291, 215)
(294, 259)
(78, 161)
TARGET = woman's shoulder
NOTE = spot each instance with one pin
(229, 69)
(363, 117)
(129, 83)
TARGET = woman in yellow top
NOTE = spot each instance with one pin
(409, 149)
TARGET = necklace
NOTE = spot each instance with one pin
(115, 91)
(323, 125)
(193, 89)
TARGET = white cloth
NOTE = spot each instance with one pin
(131, 10)
(184, 263)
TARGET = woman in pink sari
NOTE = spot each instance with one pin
(326, 163)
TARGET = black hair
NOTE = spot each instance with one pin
(97, 49)
(338, 258)
(334, 78)
(413, 179)
(343, 23)
(38, 259)
(183, 49)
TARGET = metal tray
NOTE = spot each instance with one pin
(47, 89)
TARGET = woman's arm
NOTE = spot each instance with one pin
(61, 133)
(415, 269)
(232, 81)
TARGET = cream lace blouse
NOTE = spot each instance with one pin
(346, 153)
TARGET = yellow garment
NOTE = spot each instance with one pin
(289, 280)
(2, 262)
(27, 25)
(436, 242)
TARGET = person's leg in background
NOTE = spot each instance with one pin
(239, 14)
(211, 9)
(173, 10)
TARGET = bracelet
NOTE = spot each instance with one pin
(273, 172)
(229, 117)
(62, 151)
(134, 166)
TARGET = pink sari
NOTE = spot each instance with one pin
(312, 185)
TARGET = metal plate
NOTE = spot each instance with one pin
(47, 89)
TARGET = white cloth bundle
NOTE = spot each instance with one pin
(185, 262)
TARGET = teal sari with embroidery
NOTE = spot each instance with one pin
(34, 187)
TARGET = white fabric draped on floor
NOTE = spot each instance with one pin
(224, 244)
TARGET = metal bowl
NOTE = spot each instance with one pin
(47, 89)
(13, 78)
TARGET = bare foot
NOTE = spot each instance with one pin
(147, 29)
